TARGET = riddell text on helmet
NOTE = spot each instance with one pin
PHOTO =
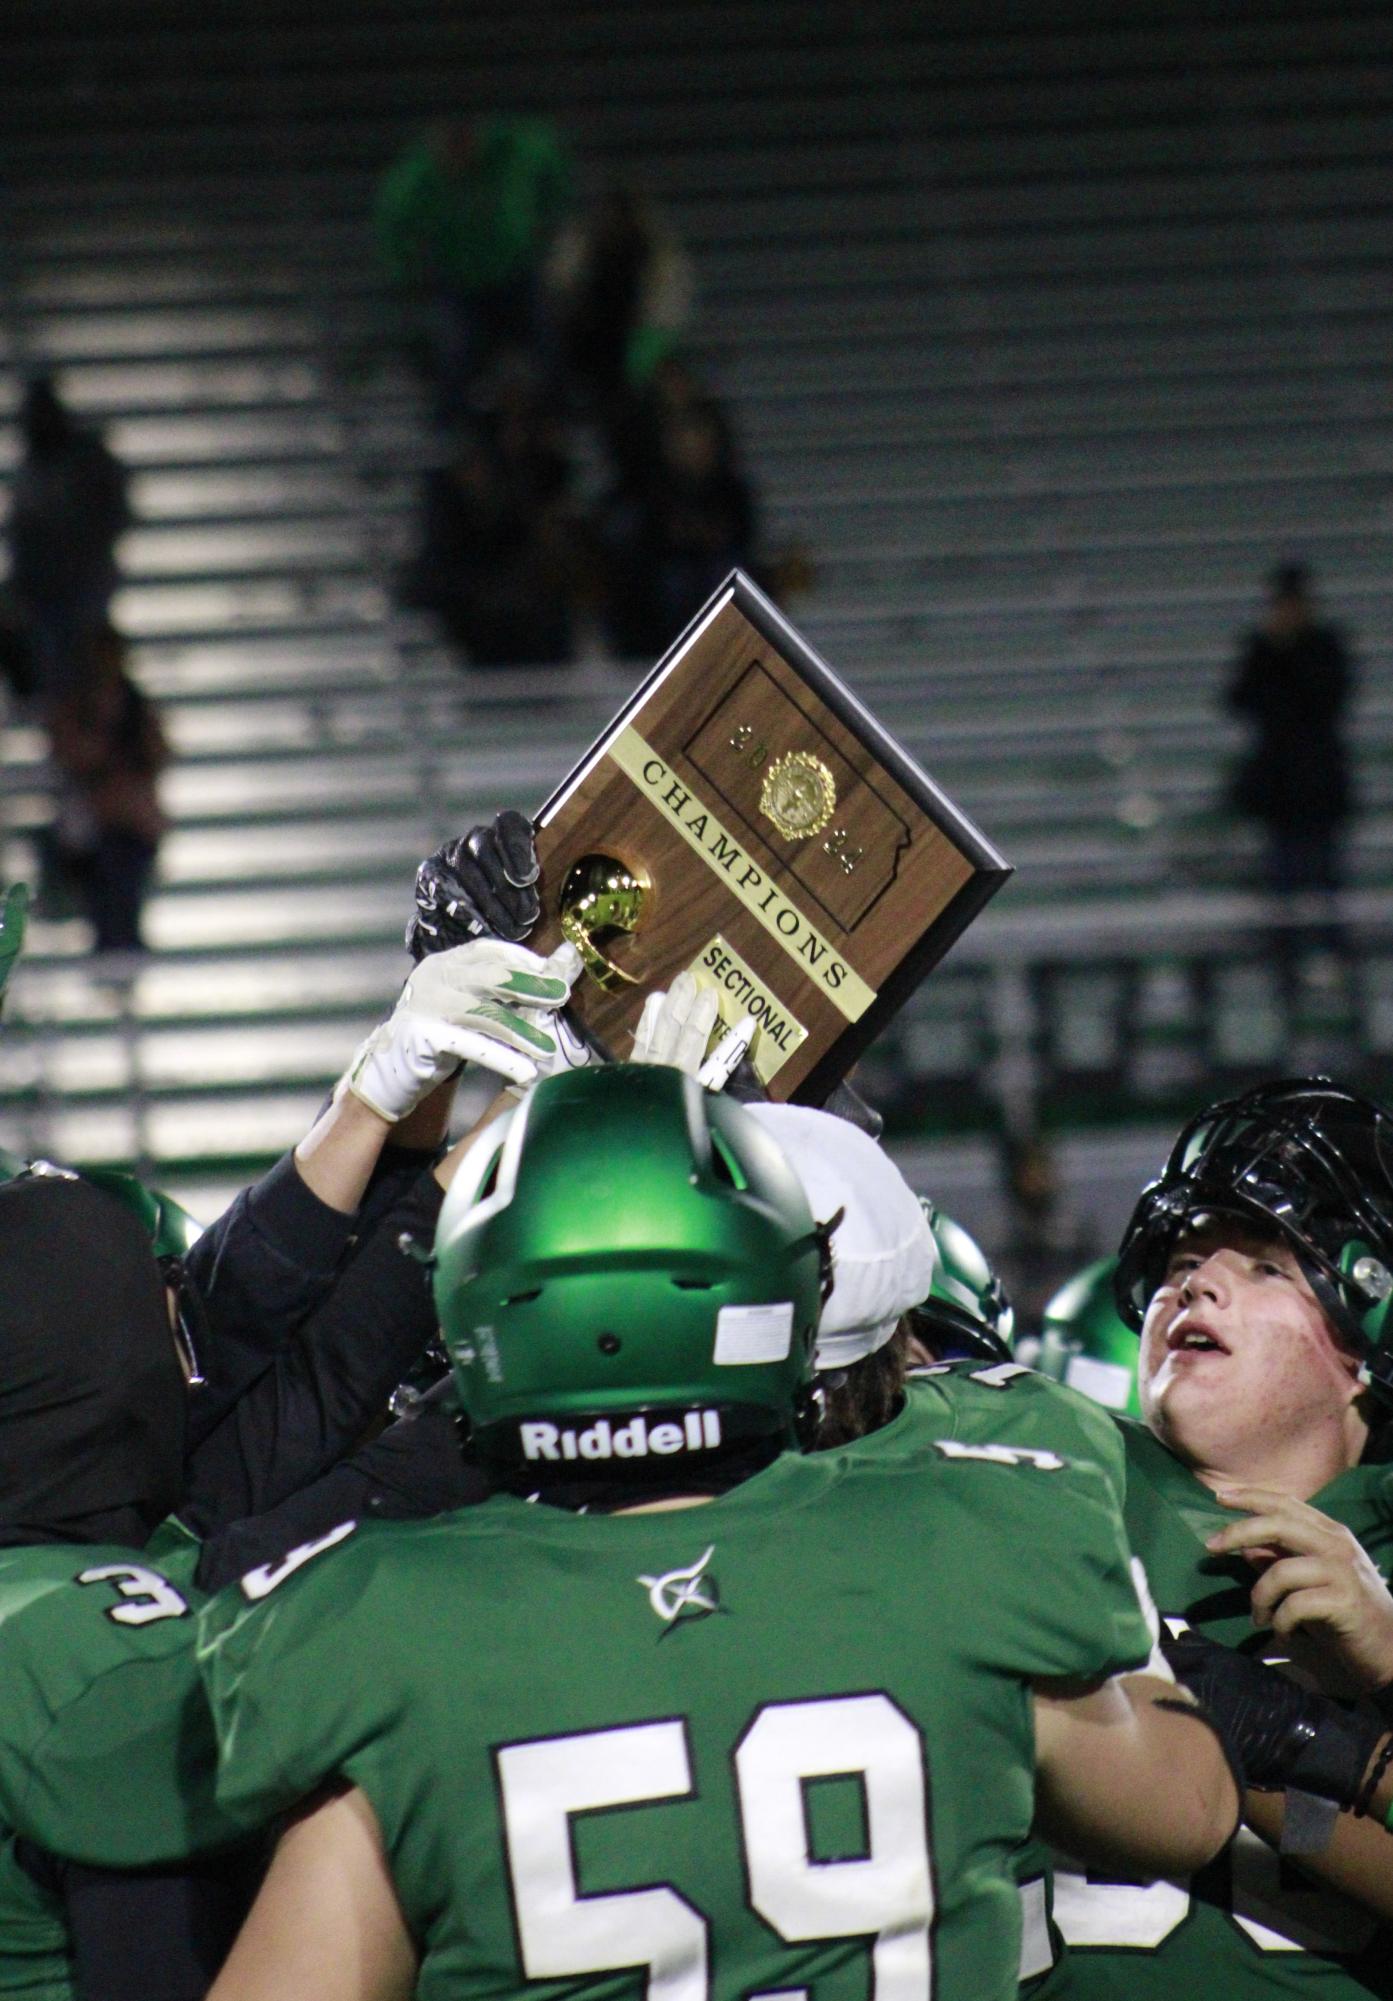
(699, 1431)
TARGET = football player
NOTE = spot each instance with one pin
(96, 1573)
(1085, 1342)
(967, 1314)
(914, 1339)
(99, 1728)
(1258, 1269)
(679, 1727)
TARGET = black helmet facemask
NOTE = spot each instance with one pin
(1302, 1161)
(92, 1398)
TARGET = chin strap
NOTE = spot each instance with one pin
(1377, 1372)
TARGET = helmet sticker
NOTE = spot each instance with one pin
(754, 1333)
(1107, 1383)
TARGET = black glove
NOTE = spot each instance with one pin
(1281, 1735)
(743, 1084)
(847, 1103)
(481, 886)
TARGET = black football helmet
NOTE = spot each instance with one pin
(1304, 1160)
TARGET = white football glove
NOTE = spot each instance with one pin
(485, 1002)
(572, 1052)
(676, 1026)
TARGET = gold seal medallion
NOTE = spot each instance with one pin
(798, 795)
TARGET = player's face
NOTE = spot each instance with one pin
(1236, 1351)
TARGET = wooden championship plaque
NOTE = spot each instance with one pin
(744, 817)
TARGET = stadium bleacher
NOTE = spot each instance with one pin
(1047, 336)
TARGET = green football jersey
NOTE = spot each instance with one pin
(737, 1749)
(1252, 1924)
(106, 1746)
(1004, 1403)
(1014, 1405)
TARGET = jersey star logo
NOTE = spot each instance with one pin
(684, 1594)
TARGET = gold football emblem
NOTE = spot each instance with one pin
(798, 795)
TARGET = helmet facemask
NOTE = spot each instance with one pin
(1302, 1162)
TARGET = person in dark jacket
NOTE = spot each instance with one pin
(1292, 680)
(108, 752)
(68, 509)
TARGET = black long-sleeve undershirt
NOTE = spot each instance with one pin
(312, 1401)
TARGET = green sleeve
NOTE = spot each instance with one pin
(292, 1690)
(124, 1776)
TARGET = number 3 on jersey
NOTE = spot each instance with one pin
(1278, 1914)
(885, 1895)
(145, 1594)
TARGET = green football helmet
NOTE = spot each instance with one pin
(173, 1231)
(967, 1311)
(1085, 1342)
(628, 1277)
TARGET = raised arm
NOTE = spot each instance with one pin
(270, 1260)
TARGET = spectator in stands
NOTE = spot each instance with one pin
(672, 389)
(465, 217)
(622, 290)
(109, 750)
(674, 526)
(1292, 680)
(67, 510)
(1046, 1240)
(494, 559)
